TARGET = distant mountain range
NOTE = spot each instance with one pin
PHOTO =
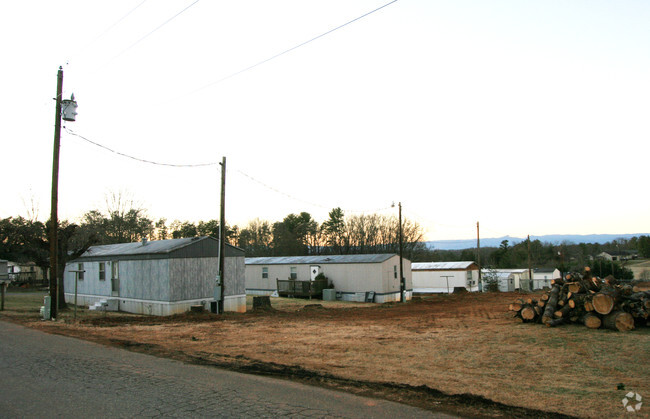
(550, 238)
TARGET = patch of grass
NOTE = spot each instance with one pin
(24, 306)
(23, 302)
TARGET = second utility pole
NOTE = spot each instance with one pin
(222, 234)
(402, 285)
(478, 257)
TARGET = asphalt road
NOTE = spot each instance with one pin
(44, 375)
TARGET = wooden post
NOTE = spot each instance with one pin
(402, 284)
(530, 271)
(76, 281)
(2, 291)
(222, 234)
(478, 258)
(54, 222)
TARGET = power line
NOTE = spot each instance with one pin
(251, 178)
(137, 158)
(118, 22)
(279, 191)
(271, 188)
(113, 25)
(150, 33)
(289, 50)
(246, 175)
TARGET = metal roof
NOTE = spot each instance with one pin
(316, 260)
(421, 266)
(153, 247)
(512, 271)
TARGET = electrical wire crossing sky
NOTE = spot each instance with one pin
(530, 117)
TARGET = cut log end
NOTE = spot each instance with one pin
(528, 313)
(603, 303)
(619, 320)
(592, 321)
(515, 307)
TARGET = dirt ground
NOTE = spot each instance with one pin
(461, 353)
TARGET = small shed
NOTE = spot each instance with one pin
(160, 277)
(354, 277)
(521, 278)
(505, 279)
(443, 277)
(542, 277)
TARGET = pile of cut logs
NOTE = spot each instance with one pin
(583, 298)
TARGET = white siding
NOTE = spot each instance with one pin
(428, 281)
(351, 279)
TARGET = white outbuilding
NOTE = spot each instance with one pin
(520, 279)
(443, 277)
(542, 277)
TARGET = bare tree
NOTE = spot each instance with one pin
(256, 238)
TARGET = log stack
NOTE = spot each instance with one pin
(588, 300)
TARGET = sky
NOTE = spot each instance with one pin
(530, 117)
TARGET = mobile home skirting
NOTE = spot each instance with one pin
(236, 303)
(347, 296)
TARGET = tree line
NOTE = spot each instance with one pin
(295, 235)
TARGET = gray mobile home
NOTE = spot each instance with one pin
(351, 275)
(160, 277)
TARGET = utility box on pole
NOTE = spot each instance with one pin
(45, 309)
(216, 304)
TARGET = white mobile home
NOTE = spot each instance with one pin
(156, 277)
(443, 277)
(353, 276)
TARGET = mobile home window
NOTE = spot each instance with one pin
(80, 274)
(294, 273)
(115, 270)
(395, 271)
(469, 274)
(102, 271)
(265, 273)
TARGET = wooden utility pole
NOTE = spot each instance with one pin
(54, 221)
(2, 291)
(222, 234)
(478, 257)
(530, 270)
(402, 285)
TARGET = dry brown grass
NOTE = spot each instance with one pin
(465, 343)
